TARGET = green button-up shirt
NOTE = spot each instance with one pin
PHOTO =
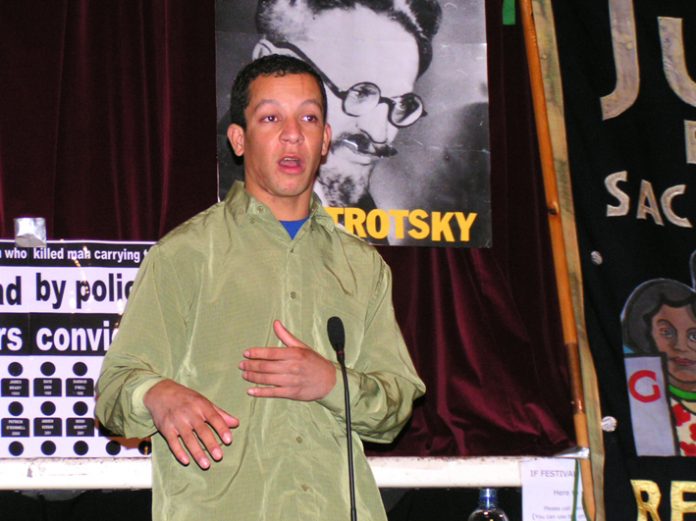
(211, 289)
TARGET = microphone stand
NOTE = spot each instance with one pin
(340, 356)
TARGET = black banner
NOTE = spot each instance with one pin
(630, 110)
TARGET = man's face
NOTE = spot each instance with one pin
(350, 47)
(674, 333)
(283, 143)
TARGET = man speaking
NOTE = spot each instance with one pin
(226, 329)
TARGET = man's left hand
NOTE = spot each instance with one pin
(296, 372)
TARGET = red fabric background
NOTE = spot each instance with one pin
(107, 129)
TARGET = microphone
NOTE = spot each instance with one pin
(337, 338)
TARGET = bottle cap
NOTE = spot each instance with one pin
(487, 493)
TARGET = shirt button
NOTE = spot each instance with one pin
(299, 439)
(293, 295)
(305, 487)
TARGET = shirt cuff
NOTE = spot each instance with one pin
(138, 408)
(334, 401)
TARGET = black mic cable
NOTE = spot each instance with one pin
(337, 338)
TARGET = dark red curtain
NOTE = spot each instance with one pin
(107, 111)
(107, 129)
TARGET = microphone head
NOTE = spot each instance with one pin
(337, 336)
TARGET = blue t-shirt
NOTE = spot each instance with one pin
(293, 227)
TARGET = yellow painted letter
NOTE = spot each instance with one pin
(648, 507)
(679, 506)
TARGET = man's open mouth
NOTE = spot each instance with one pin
(290, 162)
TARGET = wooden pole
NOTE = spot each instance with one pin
(569, 328)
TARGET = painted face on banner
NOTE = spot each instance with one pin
(674, 333)
(352, 47)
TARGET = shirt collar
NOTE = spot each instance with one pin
(242, 205)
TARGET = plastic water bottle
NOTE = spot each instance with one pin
(488, 507)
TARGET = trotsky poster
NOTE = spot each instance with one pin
(407, 95)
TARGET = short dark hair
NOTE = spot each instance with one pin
(421, 18)
(270, 65)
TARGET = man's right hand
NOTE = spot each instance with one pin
(184, 417)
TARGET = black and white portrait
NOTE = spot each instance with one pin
(406, 82)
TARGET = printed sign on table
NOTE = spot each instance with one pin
(60, 308)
